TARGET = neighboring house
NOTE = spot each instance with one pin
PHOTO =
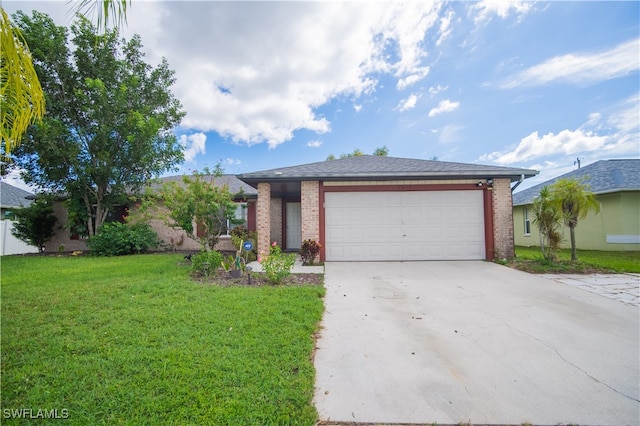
(12, 198)
(373, 208)
(616, 184)
(173, 238)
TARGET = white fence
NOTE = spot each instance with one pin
(10, 244)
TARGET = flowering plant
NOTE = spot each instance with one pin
(277, 265)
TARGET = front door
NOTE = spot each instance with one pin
(293, 226)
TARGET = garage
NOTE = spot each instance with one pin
(378, 208)
(404, 225)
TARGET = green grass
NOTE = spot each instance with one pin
(131, 340)
(530, 259)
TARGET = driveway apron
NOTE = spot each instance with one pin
(450, 342)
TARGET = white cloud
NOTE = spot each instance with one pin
(444, 106)
(419, 74)
(407, 104)
(233, 161)
(357, 107)
(281, 61)
(612, 135)
(437, 89)
(533, 146)
(314, 144)
(626, 119)
(582, 69)
(445, 27)
(502, 8)
(193, 145)
(450, 134)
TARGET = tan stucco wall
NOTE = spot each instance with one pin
(619, 215)
(174, 239)
(62, 238)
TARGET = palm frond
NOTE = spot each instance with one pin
(102, 11)
(21, 96)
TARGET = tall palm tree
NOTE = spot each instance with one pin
(575, 200)
(21, 96)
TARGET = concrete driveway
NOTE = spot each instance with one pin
(450, 342)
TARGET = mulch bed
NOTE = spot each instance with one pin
(223, 279)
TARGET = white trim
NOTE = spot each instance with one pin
(623, 239)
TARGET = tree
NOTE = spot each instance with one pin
(34, 224)
(383, 151)
(547, 216)
(357, 152)
(21, 94)
(574, 199)
(199, 206)
(108, 128)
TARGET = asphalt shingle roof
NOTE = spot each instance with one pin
(235, 185)
(378, 167)
(12, 197)
(602, 176)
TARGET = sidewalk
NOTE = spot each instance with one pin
(622, 287)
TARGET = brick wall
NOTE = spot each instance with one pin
(310, 206)
(263, 217)
(276, 221)
(502, 219)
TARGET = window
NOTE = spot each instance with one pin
(527, 222)
(8, 215)
(240, 215)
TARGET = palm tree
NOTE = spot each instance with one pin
(575, 200)
(547, 216)
(21, 96)
(20, 91)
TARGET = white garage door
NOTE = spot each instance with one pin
(412, 225)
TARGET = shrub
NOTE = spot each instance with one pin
(34, 224)
(240, 234)
(309, 251)
(277, 266)
(206, 262)
(117, 239)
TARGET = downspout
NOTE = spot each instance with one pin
(518, 183)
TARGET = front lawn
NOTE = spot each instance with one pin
(132, 340)
(589, 261)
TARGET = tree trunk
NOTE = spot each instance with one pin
(572, 233)
(87, 204)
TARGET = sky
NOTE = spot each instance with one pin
(536, 85)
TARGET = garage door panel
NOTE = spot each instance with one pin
(411, 225)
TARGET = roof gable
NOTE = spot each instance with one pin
(370, 167)
(603, 177)
(13, 197)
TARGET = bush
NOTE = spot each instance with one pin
(241, 234)
(206, 262)
(118, 239)
(309, 251)
(277, 266)
(34, 224)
